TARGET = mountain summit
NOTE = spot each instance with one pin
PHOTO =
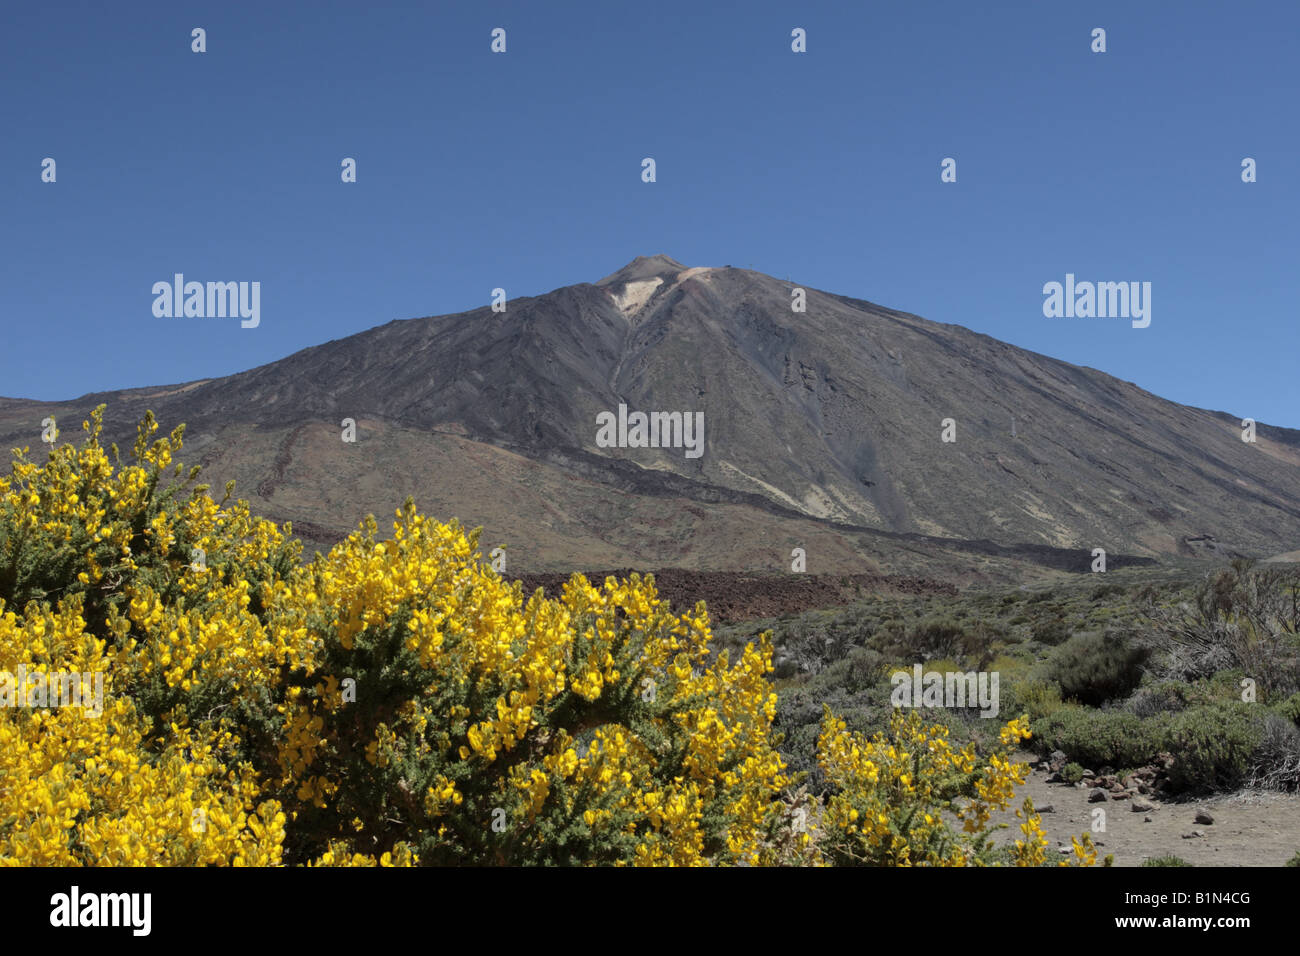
(644, 268)
(821, 429)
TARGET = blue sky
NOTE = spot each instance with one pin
(523, 170)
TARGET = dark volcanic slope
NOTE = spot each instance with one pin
(815, 424)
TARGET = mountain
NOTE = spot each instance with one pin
(821, 430)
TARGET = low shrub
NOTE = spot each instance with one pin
(1275, 765)
(1096, 668)
(1212, 746)
(1169, 697)
(1037, 698)
(1052, 631)
(1098, 738)
(1290, 709)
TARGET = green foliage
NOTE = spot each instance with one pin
(1168, 697)
(1037, 698)
(1290, 708)
(1212, 746)
(1072, 773)
(1096, 668)
(1052, 631)
(1167, 861)
(1098, 738)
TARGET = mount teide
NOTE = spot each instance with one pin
(822, 431)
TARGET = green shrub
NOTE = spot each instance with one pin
(1168, 861)
(1095, 668)
(1052, 631)
(1212, 746)
(1294, 861)
(1103, 591)
(1169, 697)
(1098, 738)
(1290, 709)
(932, 638)
(1072, 773)
(1037, 698)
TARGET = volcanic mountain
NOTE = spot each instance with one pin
(821, 430)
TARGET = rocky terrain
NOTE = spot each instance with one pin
(1242, 828)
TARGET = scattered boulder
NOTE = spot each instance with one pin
(1096, 795)
(1203, 817)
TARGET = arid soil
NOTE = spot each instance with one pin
(1250, 828)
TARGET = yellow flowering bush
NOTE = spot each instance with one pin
(908, 797)
(450, 712)
(391, 702)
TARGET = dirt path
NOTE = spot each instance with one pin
(1250, 828)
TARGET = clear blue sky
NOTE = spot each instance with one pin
(523, 171)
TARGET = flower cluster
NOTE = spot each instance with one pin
(908, 797)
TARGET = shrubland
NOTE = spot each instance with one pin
(1201, 666)
(397, 702)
